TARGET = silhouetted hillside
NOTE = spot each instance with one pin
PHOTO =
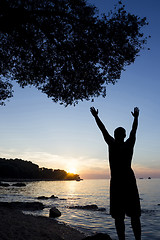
(20, 169)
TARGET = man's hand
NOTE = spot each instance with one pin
(136, 112)
(94, 111)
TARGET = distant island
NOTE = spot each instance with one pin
(20, 169)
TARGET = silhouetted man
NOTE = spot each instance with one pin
(124, 197)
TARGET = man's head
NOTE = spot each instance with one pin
(119, 134)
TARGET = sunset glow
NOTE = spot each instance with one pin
(36, 129)
(72, 170)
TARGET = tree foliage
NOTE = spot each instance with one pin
(63, 48)
(20, 169)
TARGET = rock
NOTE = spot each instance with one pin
(102, 209)
(147, 211)
(19, 184)
(87, 207)
(43, 198)
(4, 184)
(53, 197)
(98, 236)
(46, 198)
(92, 207)
(54, 212)
(32, 206)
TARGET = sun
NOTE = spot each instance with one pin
(72, 170)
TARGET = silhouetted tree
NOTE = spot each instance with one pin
(46, 173)
(59, 174)
(20, 169)
(63, 48)
(72, 176)
(17, 168)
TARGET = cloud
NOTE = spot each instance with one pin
(146, 171)
(43, 159)
(84, 165)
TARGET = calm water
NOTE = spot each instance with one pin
(71, 193)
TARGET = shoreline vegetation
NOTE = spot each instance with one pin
(21, 170)
(14, 223)
(17, 223)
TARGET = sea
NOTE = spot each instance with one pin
(88, 192)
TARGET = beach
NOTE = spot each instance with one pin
(16, 225)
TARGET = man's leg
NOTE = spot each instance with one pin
(136, 226)
(120, 227)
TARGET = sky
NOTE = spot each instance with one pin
(36, 129)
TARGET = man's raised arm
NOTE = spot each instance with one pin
(101, 126)
(135, 114)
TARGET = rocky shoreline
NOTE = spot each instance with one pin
(16, 225)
